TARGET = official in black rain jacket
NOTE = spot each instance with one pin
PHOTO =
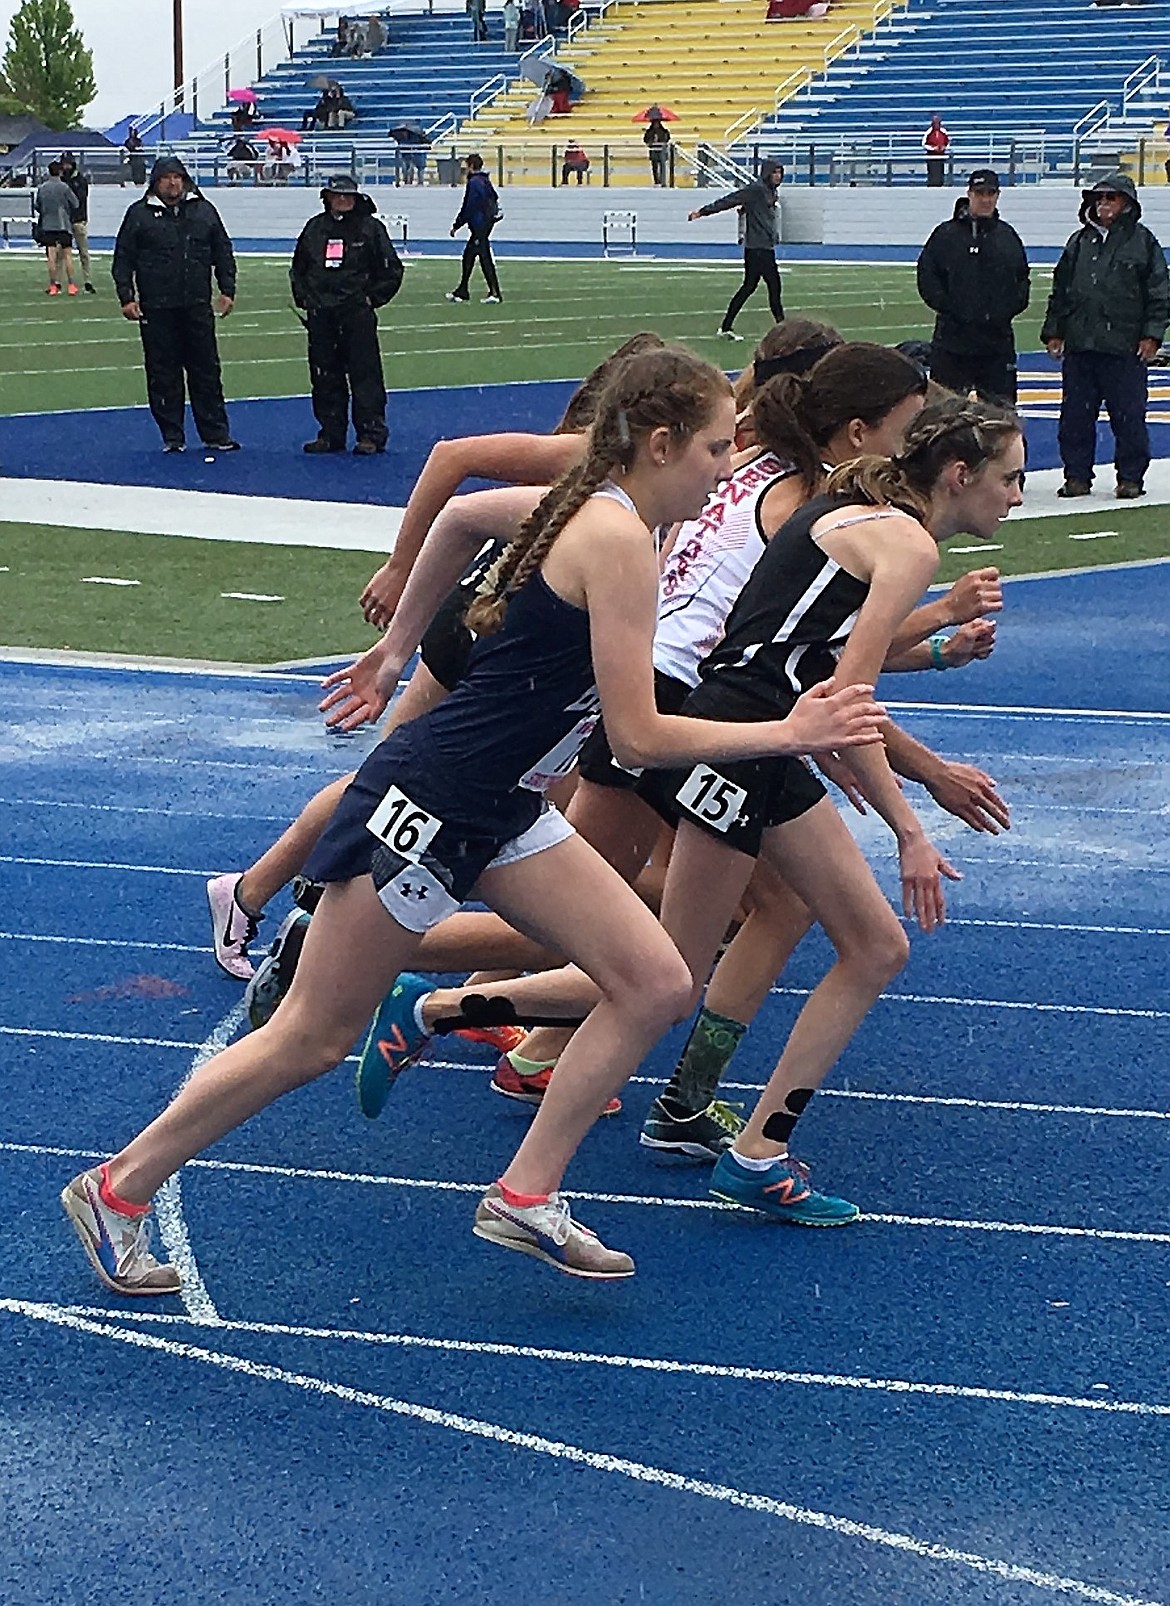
(973, 273)
(169, 244)
(344, 267)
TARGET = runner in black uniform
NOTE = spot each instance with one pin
(456, 795)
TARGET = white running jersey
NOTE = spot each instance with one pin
(708, 567)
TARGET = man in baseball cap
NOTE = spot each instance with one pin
(973, 274)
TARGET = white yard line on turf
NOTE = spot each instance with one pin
(292, 1173)
(207, 515)
(640, 1363)
(514, 1439)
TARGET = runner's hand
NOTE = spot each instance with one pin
(975, 639)
(834, 769)
(362, 692)
(827, 717)
(976, 593)
(923, 867)
(382, 595)
(970, 795)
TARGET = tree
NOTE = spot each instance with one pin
(47, 68)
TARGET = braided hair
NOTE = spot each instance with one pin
(667, 388)
(582, 404)
(796, 416)
(952, 431)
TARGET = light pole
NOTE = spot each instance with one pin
(177, 40)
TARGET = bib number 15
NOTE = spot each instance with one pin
(710, 798)
(405, 828)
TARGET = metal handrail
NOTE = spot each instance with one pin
(486, 93)
(1151, 68)
(792, 86)
(742, 125)
(831, 53)
(446, 125)
(543, 47)
(1095, 118)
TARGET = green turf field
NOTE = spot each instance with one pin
(558, 319)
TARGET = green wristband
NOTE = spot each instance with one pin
(937, 644)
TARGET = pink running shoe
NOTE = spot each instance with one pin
(232, 928)
(73, 290)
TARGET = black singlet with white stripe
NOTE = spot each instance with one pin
(788, 627)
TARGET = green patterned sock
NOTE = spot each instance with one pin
(709, 1051)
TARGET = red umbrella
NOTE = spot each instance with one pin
(286, 135)
(656, 114)
(245, 97)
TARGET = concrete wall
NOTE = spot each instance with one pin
(1044, 214)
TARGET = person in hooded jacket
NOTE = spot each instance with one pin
(169, 244)
(343, 268)
(757, 202)
(479, 214)
(1107, 317)
(973, 274)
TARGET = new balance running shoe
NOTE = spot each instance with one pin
(782, 1193)
(699, 1134)
(507, 1081)
(274, 975)
(118, 1246)
(395, 1041)
(502, 1038)
(232, 927)
(548, 1232)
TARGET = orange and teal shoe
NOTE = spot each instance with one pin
(509, 1084)
(395, 1041)
(782, 1193)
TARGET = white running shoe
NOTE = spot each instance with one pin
(728, 334)
(491, 301)
(118, 1246)
(548, 1232)
(232, 928)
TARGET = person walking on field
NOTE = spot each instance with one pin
(169, 244)
(973, 273)
(343, 268)
(761, 216)
(79, 184)
(479, 214)
(56, 207)
(1107, 317)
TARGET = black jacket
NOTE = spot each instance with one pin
(367, 270)
(973, 272)
(481, 205)
(761, 213)
(79, 184)
(164, 255)
(1109, 290)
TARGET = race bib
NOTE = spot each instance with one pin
(559, 760)
(406, 829)
(711, 798)
(334, 253)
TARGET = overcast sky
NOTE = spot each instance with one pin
(131, 44)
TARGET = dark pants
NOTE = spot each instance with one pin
(178, 341)
(658, 165)
(1090, 379)
(991, 377)
(757, 265)
(345, 367)
(936, 168)
(478, 249)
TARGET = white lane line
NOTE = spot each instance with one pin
(432, 1185)
(998, 1003)
(168, 1201)
(1004, 710)
(641, 1363)
(91, 864)
(164, 813)
(96, 1037)
(1058, 925)
(765, 1505)
(107, 942)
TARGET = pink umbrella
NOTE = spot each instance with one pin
(245, 97)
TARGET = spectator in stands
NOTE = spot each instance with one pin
(479, 214)
(973, 274)
(244, 160)
(318, 115)
(657, 138)
(340, 45)
(357, 40)
(375, 35)
(558, 86)
(758, 203)
(132, 145)
(1107, 317)
(511, 25)
(413, 146)
(477, 10)
(935, 142)
(245, 115)
(79, 184)
(281, 161)
(343, 268)
(574, 161)
(168, 245)
(333, 110)
(56, 207)
(778, 10)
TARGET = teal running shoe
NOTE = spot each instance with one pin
(394, 1042)
(782, 1193)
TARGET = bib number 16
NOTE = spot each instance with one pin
(405, 828)
(710, 798)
